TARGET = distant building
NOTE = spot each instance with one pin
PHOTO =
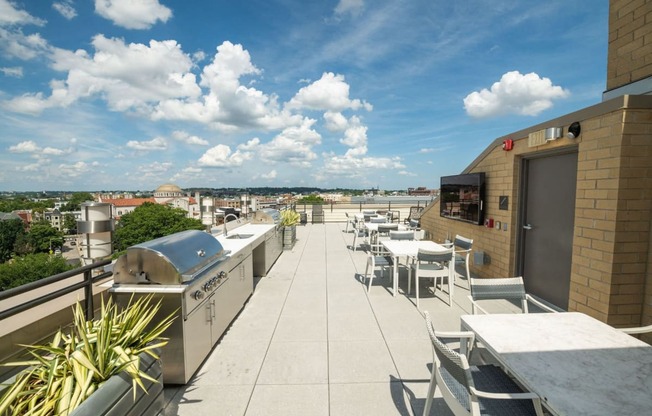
(55, 218)
(422, 191)
(124, 206)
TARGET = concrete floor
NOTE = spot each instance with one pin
(312, 341)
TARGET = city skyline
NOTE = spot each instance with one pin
(349, 93)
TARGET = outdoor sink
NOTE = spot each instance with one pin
(238, 236)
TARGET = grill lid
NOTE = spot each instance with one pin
(173, 259)
(267, 216)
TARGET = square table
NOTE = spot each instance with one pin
(575, 363)
(406, 248)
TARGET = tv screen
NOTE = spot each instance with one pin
(461, 197)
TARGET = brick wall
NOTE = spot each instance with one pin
(630, 42)
(611, 275)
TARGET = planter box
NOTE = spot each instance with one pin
(116, 398)
(289, 237)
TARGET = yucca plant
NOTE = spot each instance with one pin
(289, 218)
(73, 366)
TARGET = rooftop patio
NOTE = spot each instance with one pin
(312, 341)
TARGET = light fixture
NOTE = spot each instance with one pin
(574, 130)
(553, 133)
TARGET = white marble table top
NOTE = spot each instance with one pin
(410, 248)
(577, 364)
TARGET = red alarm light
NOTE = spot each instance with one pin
(508, 144)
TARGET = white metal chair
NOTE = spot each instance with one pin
(359, 232)
(507, 288)
(377, 257)
(637, 330)
(473, 390)
(463, 247)
(350, 220)
(378, 220)
(435, 265)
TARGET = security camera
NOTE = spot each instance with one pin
(574, 130)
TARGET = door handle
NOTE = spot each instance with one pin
(527, 227)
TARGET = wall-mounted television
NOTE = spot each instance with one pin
(461, 197)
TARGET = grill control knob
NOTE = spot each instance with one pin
(222, 275)
(198, 295)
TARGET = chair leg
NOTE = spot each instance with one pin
(431, 391)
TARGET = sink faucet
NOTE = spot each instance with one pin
(225, 217)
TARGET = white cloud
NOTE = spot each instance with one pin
(270, 175)
(11, 15)
(220, 156)
(157, 143)
(155, 168)
(330, 93)
(184, 137)
(65, 8)
(426, 150)
(406, 173)
(14, 44)
(228, 105)
(141, 14)
(357, 167)
(16, 72)
(353, 7)
(515, 93)
(74, 169)
(355, 137)
(335, 121)
(293, 145)
(126, 76)
(250, 145)
(24, 147)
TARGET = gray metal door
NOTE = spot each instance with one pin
(547, 219)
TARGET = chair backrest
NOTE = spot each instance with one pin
(401, 235)
(368, 212)
(453, 368)
(378, 220)
(386, 228)
(435, 256)
(500, 288)
(463, 242)
(317, 208)
(415, 213)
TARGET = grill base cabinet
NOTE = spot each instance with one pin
(197, 282)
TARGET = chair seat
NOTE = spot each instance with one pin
(490, 378)
(383, 261)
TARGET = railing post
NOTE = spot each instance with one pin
(88, 294)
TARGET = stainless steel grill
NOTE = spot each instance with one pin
(198, 281)
(267, 216)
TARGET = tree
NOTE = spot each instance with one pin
(70, 223)
(311, 200)
(42, 237)
(150, 221)
(29, 268)
(10, 232)
(75, 201)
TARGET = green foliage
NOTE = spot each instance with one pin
(29, 268)
(311, 199)
(289, 218)
(75, 201)
(70, 223)
(150, 221)
(73, 366)
(10, 232)
(43, 237)
(23, 202)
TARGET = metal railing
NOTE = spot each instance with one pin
(86, 284)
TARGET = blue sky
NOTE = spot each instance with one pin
(131, 94)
